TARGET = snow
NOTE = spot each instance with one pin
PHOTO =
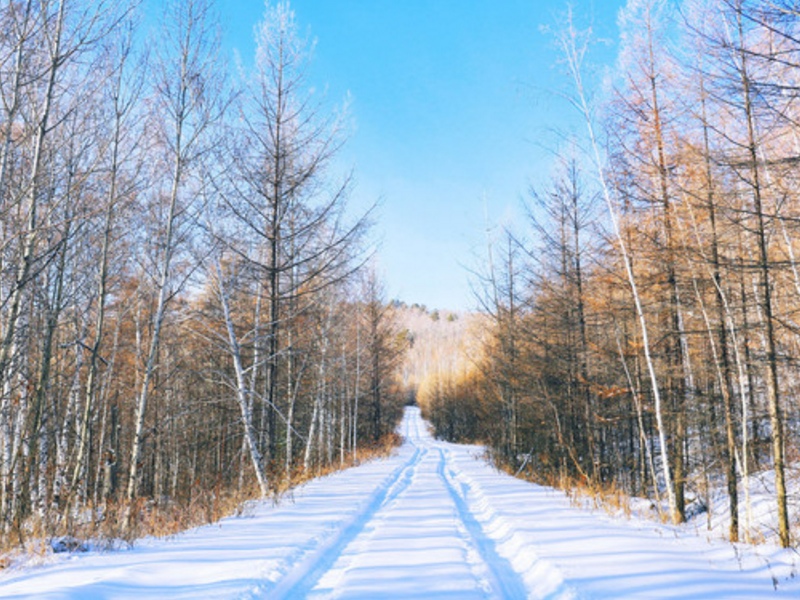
(434, 521)
(763, 521)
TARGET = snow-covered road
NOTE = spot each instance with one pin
(432, 522)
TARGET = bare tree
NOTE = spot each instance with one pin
(286, 214)
(188, 104)
(574, 45)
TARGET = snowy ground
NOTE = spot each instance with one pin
(431, 522)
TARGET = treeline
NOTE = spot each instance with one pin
(185, 311)
(436, 343)
(643, 332)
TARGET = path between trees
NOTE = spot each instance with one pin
(434, 522)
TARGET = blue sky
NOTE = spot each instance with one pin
(454, 110)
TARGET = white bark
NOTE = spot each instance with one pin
(573, 53)
(242, 390)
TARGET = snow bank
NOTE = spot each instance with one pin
(433, 522)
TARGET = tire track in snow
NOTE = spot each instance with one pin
(303, 577)
(543, 579)
(478, 523)
(503, 579)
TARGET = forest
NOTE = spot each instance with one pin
(192, 315)
(189, 311)
(641, 332)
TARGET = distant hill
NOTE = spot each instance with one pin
(441, 342)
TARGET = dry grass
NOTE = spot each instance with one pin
(616, 501)
(103, 527)
(581, 491)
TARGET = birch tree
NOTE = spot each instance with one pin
(286, 211)
(574, 45)
(188, 104)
